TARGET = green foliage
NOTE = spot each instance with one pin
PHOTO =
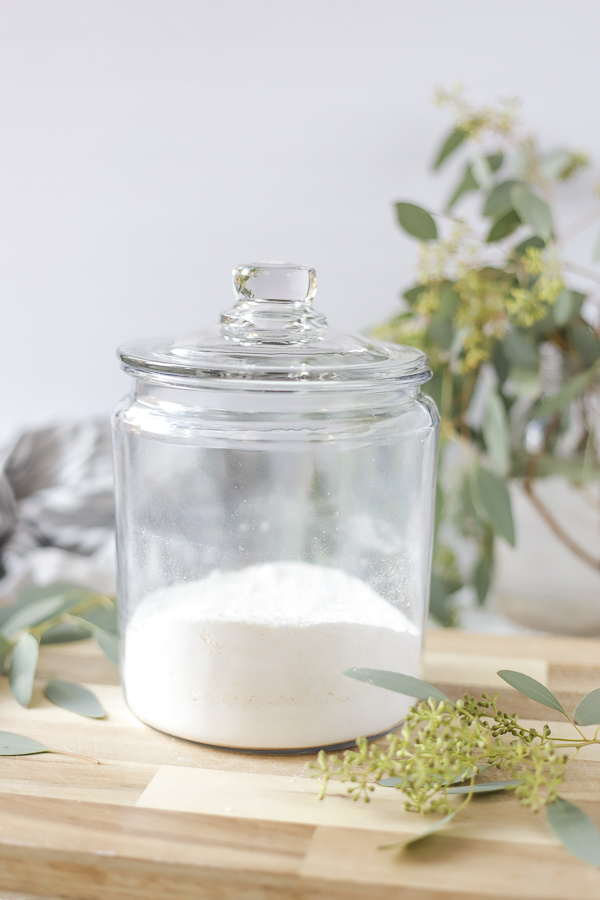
(496, 436)
(393, 681)
(531, 688)
(575, 831)
(108, 643)
(452, 143)
(74, 697)
(491, 299)
(51, 613)
(491, 494)
(17, 745)
(444, 746)
(416, 221)
(21, 672)
(587, 711)
(532, 211)
(503, 226)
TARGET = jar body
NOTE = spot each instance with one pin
(268, 540)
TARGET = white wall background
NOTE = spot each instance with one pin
(147, 146)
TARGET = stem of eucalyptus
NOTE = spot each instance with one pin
(61, 618)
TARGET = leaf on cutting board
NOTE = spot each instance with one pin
(394, 681)
(575, 830)
(74, 697)
(485, 787)
(587, 711)
(405, 842)
(531, 688)
(18, 745)
(21, 672)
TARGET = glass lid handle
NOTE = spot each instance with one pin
(274, 305)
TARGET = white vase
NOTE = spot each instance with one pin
(541, 583)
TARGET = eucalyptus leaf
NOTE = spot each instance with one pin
(587, 342)
(569, 392)
(500, 363)
(465, 186)
(496, 434)
(503, 226)
(18, 745)
(449, 300)
(65, 632)
(562, 310)
(534, 241)
(74, 697)
(36, 612)
(533, 211)
(394, 681)
(108, 643)
(441, 332)
(21, 672)
(412, 294)
(5, 648)
(452, 143)
(575, 830)
(416, 221)
(587, 711)
(531, 688)
(394, 781)
(437, 826)
(439, 598)
(577, 299)
(482, 577)
(491, 495)
(485, 787)
(498, 202)
(520, 351)
(482, 172)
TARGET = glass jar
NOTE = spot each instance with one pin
(275, 492)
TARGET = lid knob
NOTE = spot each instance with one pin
(275, 281)
(274, 305)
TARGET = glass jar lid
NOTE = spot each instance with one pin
(273, 336)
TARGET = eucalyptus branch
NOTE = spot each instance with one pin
(443, 747)
(494, 298)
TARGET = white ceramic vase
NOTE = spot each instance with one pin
(541, 583)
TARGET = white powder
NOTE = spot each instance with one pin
(253, 658)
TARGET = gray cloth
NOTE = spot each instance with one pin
(56, 491)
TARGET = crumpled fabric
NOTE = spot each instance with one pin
(57, 508)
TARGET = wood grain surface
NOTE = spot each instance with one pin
(161, 818)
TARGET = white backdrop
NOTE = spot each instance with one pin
(146, 147)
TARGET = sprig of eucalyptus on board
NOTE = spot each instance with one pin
(51, 614)
(443, 747)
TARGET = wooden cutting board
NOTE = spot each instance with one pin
(164, 819)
